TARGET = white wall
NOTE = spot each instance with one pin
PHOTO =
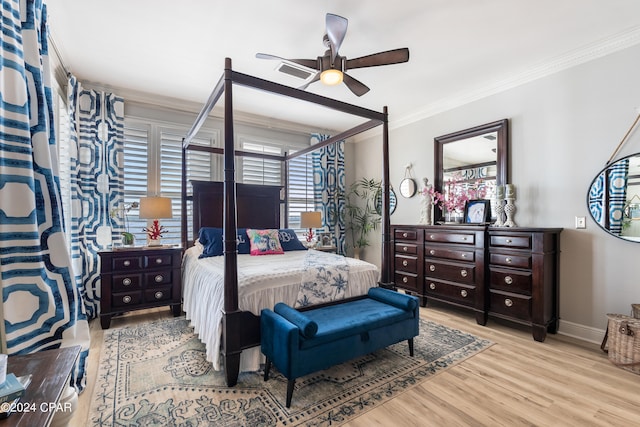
(563, 129)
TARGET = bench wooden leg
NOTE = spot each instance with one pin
(267, 368)
(290, 385)
(411, 347)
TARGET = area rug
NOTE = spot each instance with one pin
(156, 374)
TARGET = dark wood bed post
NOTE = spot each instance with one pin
(231, 348)
(385, 278)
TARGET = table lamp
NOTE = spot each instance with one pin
(310, 220)
(155, 208)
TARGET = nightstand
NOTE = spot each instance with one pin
(139, 278)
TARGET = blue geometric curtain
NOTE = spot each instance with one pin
(41, 305)
(97, 183)
(329, 187)
(610, 188)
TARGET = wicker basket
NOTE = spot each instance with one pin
(624, 342)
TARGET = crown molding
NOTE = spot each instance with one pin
(574, 58)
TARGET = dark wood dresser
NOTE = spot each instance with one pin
(138, 278)
(509, 273)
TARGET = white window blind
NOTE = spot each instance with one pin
(136, 171)
(261, 171)
(64, 161)
(300, 189)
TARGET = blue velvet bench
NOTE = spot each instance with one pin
(301, 342)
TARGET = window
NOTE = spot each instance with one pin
(300, 189)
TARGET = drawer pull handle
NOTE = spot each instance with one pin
(463, 273)
(509, 241)
(463, 293)
(126, 299)
(404, 248)
(508, 260)
(432, 267)
(405, 280)
(432, 252)
(158, 278)
(159, 295)
(432, 286)
(158, 260)
(464, 255)
(404, 234)
(126, 281)
(432, 237)
(464, 238)
(127, 263)
(405, 263)
(508, 280)
(508, 302)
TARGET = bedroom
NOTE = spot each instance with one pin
(561, 108)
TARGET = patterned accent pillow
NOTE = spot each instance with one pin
(264, 242)
(212, 241)
(289, 240)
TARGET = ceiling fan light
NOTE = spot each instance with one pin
(331, 77)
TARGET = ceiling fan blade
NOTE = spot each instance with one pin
(395, 56)
(313, 80)
(354, 85)
(336, 30)
(309, 63)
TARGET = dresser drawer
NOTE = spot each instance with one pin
(406, 248)
(442, 237)
(455, 254)
(406, 263)
(510, 304)
(462, 294)
(407, 281)
(157, 278)
(511, 281)
(405, 234)
(520, 242)
(121, 263)
(158, 294)
(511, 260)
(460, 273)
(125, 282)
(157, 260)
(123, 299)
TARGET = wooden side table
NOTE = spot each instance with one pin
(50, 370)
(139, 278)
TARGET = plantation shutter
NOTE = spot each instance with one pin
(300, 190)
(136, 149)
(261, 171)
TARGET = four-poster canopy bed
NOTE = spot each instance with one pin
(232, 206)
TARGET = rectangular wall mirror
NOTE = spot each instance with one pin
(481, 152)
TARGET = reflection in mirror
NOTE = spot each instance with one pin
(408, 187)
(614, 198)
(472, 161)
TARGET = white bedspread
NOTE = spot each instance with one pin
(262, 282)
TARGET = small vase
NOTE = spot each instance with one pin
(128, 239)
(356, 252)
(154, 242)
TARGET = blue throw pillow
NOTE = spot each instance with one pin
(289, 240)
(212, 240)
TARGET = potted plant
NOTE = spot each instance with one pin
(361, 217)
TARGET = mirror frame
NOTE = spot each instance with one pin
(411, 191)
(502, 154)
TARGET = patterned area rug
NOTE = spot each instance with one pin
(155, 374)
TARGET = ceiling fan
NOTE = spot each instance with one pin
(331, 67)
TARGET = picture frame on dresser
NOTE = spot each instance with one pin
(477, 211)
(325, 239)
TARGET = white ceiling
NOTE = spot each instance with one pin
(459, 49)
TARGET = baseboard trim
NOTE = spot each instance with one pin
(581, 332)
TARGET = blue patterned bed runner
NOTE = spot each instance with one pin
(324, 278)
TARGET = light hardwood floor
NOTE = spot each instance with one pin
(516, 382)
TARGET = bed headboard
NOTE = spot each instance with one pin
(257, 206)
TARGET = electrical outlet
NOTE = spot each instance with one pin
(581, 222)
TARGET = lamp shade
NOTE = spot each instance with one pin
(155, 208)
(310, 220)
